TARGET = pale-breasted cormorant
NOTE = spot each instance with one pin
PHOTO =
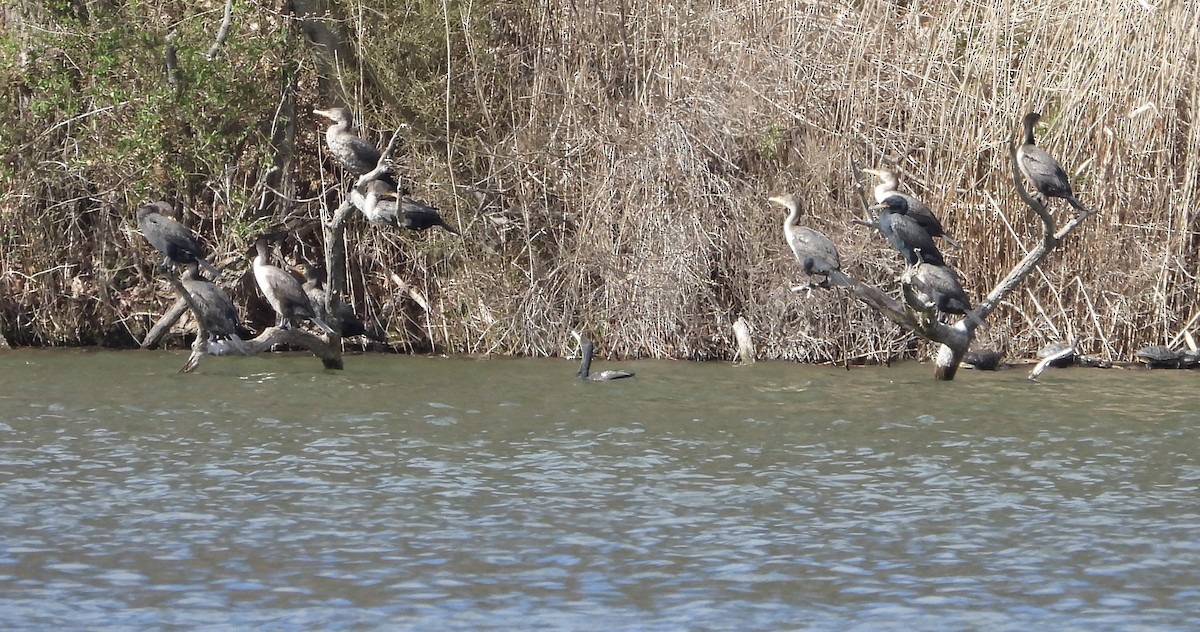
(889, 185)
(1042, 170)
(383, 206)
(356, 155)
(585, 366)
(217, 313)
(314, 287)
(905, 233)
(174, 240)
(815, 252)
(283, 291)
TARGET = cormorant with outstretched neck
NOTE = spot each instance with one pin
(314, 287)
(174, 240)
(1042, 170)
(585, 366)
(905, 233)
(815, 252)
(217, 314)
(356, 155)
(283, 291)
(384, 206)
(889, 185)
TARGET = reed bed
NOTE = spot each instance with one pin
(610, 162)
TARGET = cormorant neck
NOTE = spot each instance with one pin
(793, 217)
(585, 366)
(1028, 140)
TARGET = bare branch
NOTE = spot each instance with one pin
(328, 351)
(222, 32)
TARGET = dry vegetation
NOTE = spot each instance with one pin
(609, 165)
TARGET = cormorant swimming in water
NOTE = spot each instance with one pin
(586, 346)
(905, 233)
(815, 252)
(1042, 170)
(174, 240)
(356, 155)
(383, 206)
(889, 185)
(283, 291)
(217, 313)
(314, 287)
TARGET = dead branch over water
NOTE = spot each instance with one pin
(609, 165)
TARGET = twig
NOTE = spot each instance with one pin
(222, 32)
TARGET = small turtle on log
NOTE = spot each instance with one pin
(1161, 357)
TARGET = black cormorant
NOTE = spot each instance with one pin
(383, 206)
(905, 233)
(356, 155)
(314, 287)
(1042, 170)
(174, 240)
(928, 286)
(586, 346)
(815, 252)
(283, 291)
(217, 313)
(889, 185)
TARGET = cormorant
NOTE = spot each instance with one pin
(383, 206)
(356, 155)
(815, 252)
(283, 291)
(217, 313)
(1042, 170)
(905, 233)
(174, 240)
(928, 286)
(314, 287)
(889, 185)
(586, 346)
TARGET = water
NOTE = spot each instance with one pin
(461, 494)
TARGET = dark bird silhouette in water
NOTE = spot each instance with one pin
(905, 233)
(384, 206)
(217, 314)
(585, 366)
(174, 240)
(283, 291)
(889, 185)
(935, 287)
(813, 250)
(314, 287)
(1042, 170)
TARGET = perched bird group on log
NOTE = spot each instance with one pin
(929, 285)
(380, 201)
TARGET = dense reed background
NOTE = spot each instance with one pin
(608, 162)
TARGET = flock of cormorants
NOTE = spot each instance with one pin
(929, 284)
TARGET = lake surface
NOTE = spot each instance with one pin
(501, 494)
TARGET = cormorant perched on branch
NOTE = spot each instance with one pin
(385, 207)
(905, 233)
(815, 252)
(585, 366)
(928, 286)
(356, 155)
(1042, 170)
(314, 287)
(283, 291)
(174, 240)
(217, 314)
(889, 185)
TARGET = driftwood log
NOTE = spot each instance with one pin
(956, 337)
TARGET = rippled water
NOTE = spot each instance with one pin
(433, 494)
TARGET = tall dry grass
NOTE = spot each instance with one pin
(610, 164)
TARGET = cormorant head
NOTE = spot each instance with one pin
(789, 201)
(892, 204)
(337, 115)
(1031, 119)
